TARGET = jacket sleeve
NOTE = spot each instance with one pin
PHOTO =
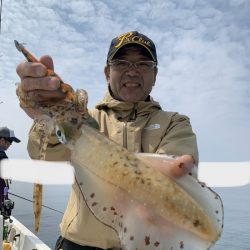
(179, 138)
(55, 150)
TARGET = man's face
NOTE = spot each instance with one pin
(5, 143)
(131, 84)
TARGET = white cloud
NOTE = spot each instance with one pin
(203, 50)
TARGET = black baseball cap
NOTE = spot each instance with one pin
(132, 37)
(8, 133)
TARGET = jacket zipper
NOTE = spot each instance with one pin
(125, 139)
(132, 117)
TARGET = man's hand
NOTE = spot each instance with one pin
(181, 165)
(37, 86)
(175, 167)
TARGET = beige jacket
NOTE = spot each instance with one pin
(140, 127)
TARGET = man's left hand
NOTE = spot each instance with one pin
(175, 167)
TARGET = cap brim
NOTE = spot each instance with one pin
(15, 139)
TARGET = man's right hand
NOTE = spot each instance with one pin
(37, 86)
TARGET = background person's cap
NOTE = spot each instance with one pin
(133, 37)
(8, 133)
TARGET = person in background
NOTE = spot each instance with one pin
(128, 115)
(7, 136)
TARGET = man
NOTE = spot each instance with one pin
(7, 136)
(127, 115)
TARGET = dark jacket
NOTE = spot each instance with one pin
(3, 155)
(3, 183)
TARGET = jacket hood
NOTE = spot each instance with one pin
(124, 110)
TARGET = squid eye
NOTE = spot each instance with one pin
(61, 135)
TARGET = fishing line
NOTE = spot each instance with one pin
(33, 202)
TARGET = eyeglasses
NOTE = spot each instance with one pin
(140, 65)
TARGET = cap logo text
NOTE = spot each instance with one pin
(126, 38)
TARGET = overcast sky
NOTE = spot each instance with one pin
(203, 50)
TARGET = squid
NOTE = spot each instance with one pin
(72, 108)
(146, 208)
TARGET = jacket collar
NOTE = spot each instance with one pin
(126, 110)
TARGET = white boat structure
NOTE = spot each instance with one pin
(21, 238)
(18, 236)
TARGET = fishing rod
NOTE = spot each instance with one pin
(32, 201)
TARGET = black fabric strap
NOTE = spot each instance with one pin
(64, 244)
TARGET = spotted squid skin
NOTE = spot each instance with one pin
(121, 168)
(37, 196)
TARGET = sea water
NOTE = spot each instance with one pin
(54, 197)
(236, 234)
